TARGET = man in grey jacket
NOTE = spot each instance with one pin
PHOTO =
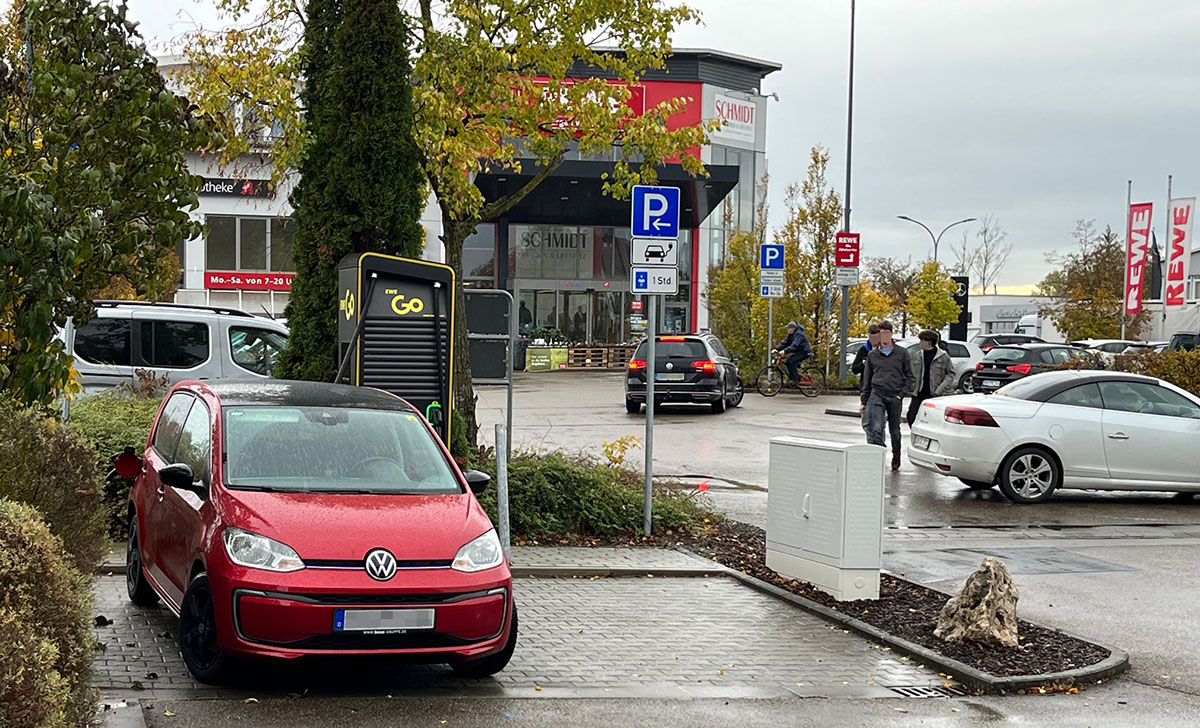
(887, 377)
(933, 372)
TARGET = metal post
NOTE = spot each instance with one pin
(1167, 245)
(1128, 227)
(69, 337)
(844, 328)
(502, 490)
(513, 315)
(651, 328)
(770, 329)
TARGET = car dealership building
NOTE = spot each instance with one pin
(563, 251)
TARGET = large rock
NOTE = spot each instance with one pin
(985, 611)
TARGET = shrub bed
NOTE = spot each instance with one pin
(55, 470)
(111, 422)
(45, 639)
(560, 497)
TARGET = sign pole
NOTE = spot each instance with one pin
(1129, 226)
(844, 328)
(651, 328)
(770, 329)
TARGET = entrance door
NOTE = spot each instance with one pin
(574, 318)
(607, 309)
(674, 318)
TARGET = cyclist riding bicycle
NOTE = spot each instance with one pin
(796, 347)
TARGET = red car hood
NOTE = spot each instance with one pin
(347, 526)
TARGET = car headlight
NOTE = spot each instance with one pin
(482, 553)
(259, 552)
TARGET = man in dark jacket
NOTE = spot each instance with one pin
(796, 347)
(933, 373)
(860, 356)
(887, 377)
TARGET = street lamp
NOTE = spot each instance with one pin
(936, 238)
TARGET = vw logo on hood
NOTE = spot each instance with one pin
(381, 565)
(670, 365)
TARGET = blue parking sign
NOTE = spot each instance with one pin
(770, 257)
(655, 212)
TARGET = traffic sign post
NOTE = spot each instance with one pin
(653, 255)
(770, 285)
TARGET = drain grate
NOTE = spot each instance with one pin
(924, 691)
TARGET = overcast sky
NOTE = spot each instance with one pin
(1036, 111)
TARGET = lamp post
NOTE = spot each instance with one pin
(936, 238)
(844, 324)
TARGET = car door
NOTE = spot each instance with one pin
(154, 524)
(181, 508)
(723, 360)
(177, 348)
(1070, 422)
(1150, 433)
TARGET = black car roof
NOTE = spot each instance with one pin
(287, 393)
(1033, 345)
(1052, 383)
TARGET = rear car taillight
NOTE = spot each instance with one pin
(635, 364)
(979, 365)
(969, 416)
(705, 366)
(986, 348)
(1019, 368)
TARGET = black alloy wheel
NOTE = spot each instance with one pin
(198, 633)
(136, 583)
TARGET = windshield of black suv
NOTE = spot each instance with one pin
(332, 450)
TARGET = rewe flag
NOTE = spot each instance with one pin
(1135, 254)
(1179, 250)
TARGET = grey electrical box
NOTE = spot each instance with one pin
(825, 515)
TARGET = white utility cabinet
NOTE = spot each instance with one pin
(825, 515)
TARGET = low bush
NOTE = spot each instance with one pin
(1181, 368)
(556, 495)
(112, 422)
(55, 470)
(45, 637)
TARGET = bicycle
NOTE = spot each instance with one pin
(772, 380)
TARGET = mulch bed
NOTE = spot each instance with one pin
(904, 609)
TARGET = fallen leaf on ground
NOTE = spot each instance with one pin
(168, 713)
(250, 700)
(136, 685)
(537, 687)
(102, 621)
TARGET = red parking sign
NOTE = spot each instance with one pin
(845, 250)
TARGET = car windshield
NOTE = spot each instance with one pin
(1001, 353)
(333, 449)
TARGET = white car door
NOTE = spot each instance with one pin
(1150, 435)
(1070, 424)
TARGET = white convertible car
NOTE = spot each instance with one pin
(1070, 429)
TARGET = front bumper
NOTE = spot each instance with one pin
(288, 616)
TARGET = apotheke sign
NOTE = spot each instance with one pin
(236, 187)
(738, 117)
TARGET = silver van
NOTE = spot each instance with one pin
(176, 340)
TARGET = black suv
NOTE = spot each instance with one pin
(1004, 364)
(988, 341)
(691, 368)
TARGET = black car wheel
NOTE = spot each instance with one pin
(739, 395)
(492, 664)
(633, 406)
(136, 584)
(1029, 475)
(718, 405)
(967, 383)
(198, 633)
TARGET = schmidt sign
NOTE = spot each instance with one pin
(236, 187)
(738, 117)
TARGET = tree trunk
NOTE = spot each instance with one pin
(453, 235)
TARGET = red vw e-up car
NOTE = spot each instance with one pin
(290, 519)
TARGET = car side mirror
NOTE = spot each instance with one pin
(477, 481)
(180, 476)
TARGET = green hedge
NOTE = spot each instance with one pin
(45, 636)
(555, 495)
(111, 422)
(45, 464)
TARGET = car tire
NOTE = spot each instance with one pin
(633, 407)
(198, 633)
(718, 405)
(967, 383)
(1029, 475)
(977, 484)
(492, 664)
(739, 395)
(136, 583)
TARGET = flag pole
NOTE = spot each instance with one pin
(1128, 247)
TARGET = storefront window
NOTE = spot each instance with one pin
(249, 243)
(253, 244)
(282, 232)
(553, 251)
(607, 310)
(479, 253)
(222, 242)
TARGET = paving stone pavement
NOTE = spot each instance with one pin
(603, 637)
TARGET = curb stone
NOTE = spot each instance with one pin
(1116, 663)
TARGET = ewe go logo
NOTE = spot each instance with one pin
(402, 307)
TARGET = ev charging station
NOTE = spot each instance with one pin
(396, 330)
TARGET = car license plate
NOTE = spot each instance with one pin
(991, 382)
(921, 443)
(381, 621)
(668, 377)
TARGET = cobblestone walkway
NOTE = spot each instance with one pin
(603, 637)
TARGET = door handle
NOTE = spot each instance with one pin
(1118, 436)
